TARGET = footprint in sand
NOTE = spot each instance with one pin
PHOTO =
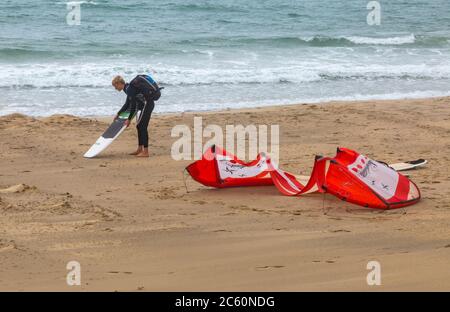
(269, 267)
(7, 245)
(339, 231)
(19, 188)
(327, 261)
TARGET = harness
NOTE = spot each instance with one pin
(156, 89)
(152, 83)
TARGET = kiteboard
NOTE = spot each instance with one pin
(402, 166)
(408, 165)
(112, 133)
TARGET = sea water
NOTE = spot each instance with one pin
(211, 54)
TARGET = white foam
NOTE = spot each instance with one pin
(382, 41)
(77, 2)
(98, 75)
(223, 80)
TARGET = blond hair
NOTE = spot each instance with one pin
(118, 79)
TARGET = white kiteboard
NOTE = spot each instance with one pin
(112, 133)
(408, 165)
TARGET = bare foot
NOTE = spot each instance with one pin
(136, 152)
(143, 154)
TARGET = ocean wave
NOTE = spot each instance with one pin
(400, 40)
(17, 53)
(77, 2)
(56, 49)
(381, 76)
(326, 41)
(98, 75)
(59, 47)
(410, 40)
(205, 7)
(28, 86)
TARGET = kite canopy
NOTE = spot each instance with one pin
(349, 176)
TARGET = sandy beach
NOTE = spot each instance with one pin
(132, 226)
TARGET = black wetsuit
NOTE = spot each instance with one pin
(141, 94)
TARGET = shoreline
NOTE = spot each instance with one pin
(132, 226)
(269, 106)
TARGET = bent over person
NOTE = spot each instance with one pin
(142, 92)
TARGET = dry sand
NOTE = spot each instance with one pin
(132, 225)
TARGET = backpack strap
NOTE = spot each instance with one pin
(152, 83)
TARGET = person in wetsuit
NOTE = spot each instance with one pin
(142, 92)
